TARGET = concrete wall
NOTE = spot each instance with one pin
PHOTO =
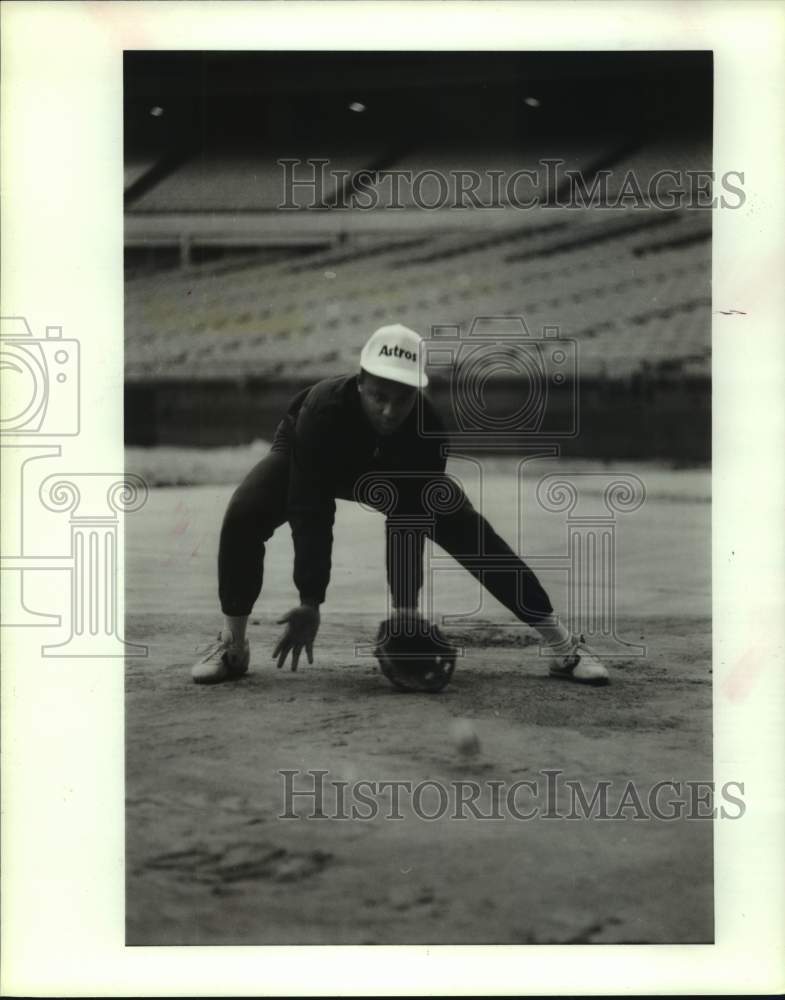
(654, 419)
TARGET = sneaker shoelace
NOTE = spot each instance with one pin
(213, 647)
(573, 658)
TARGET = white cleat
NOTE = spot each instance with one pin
(224, 660)
(579, 664)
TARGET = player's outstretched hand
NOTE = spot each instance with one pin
(302, 624)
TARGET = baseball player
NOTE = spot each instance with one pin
(333, 435)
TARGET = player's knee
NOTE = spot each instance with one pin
(249, 516)
(239, 508)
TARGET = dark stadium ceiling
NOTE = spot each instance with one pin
(402, 93)
(246, 73)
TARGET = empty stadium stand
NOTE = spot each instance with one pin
(231, 301)
(630, 287)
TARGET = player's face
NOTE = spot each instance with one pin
(386, 404)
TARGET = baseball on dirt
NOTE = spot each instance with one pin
(465, 738)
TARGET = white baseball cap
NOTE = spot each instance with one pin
(395, 353)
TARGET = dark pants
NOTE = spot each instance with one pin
(258, 507)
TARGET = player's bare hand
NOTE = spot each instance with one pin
(302, 624)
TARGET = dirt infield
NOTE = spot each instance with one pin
(209, 861)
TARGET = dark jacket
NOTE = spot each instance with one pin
(332, 445)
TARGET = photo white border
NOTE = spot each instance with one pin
(62, 237)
